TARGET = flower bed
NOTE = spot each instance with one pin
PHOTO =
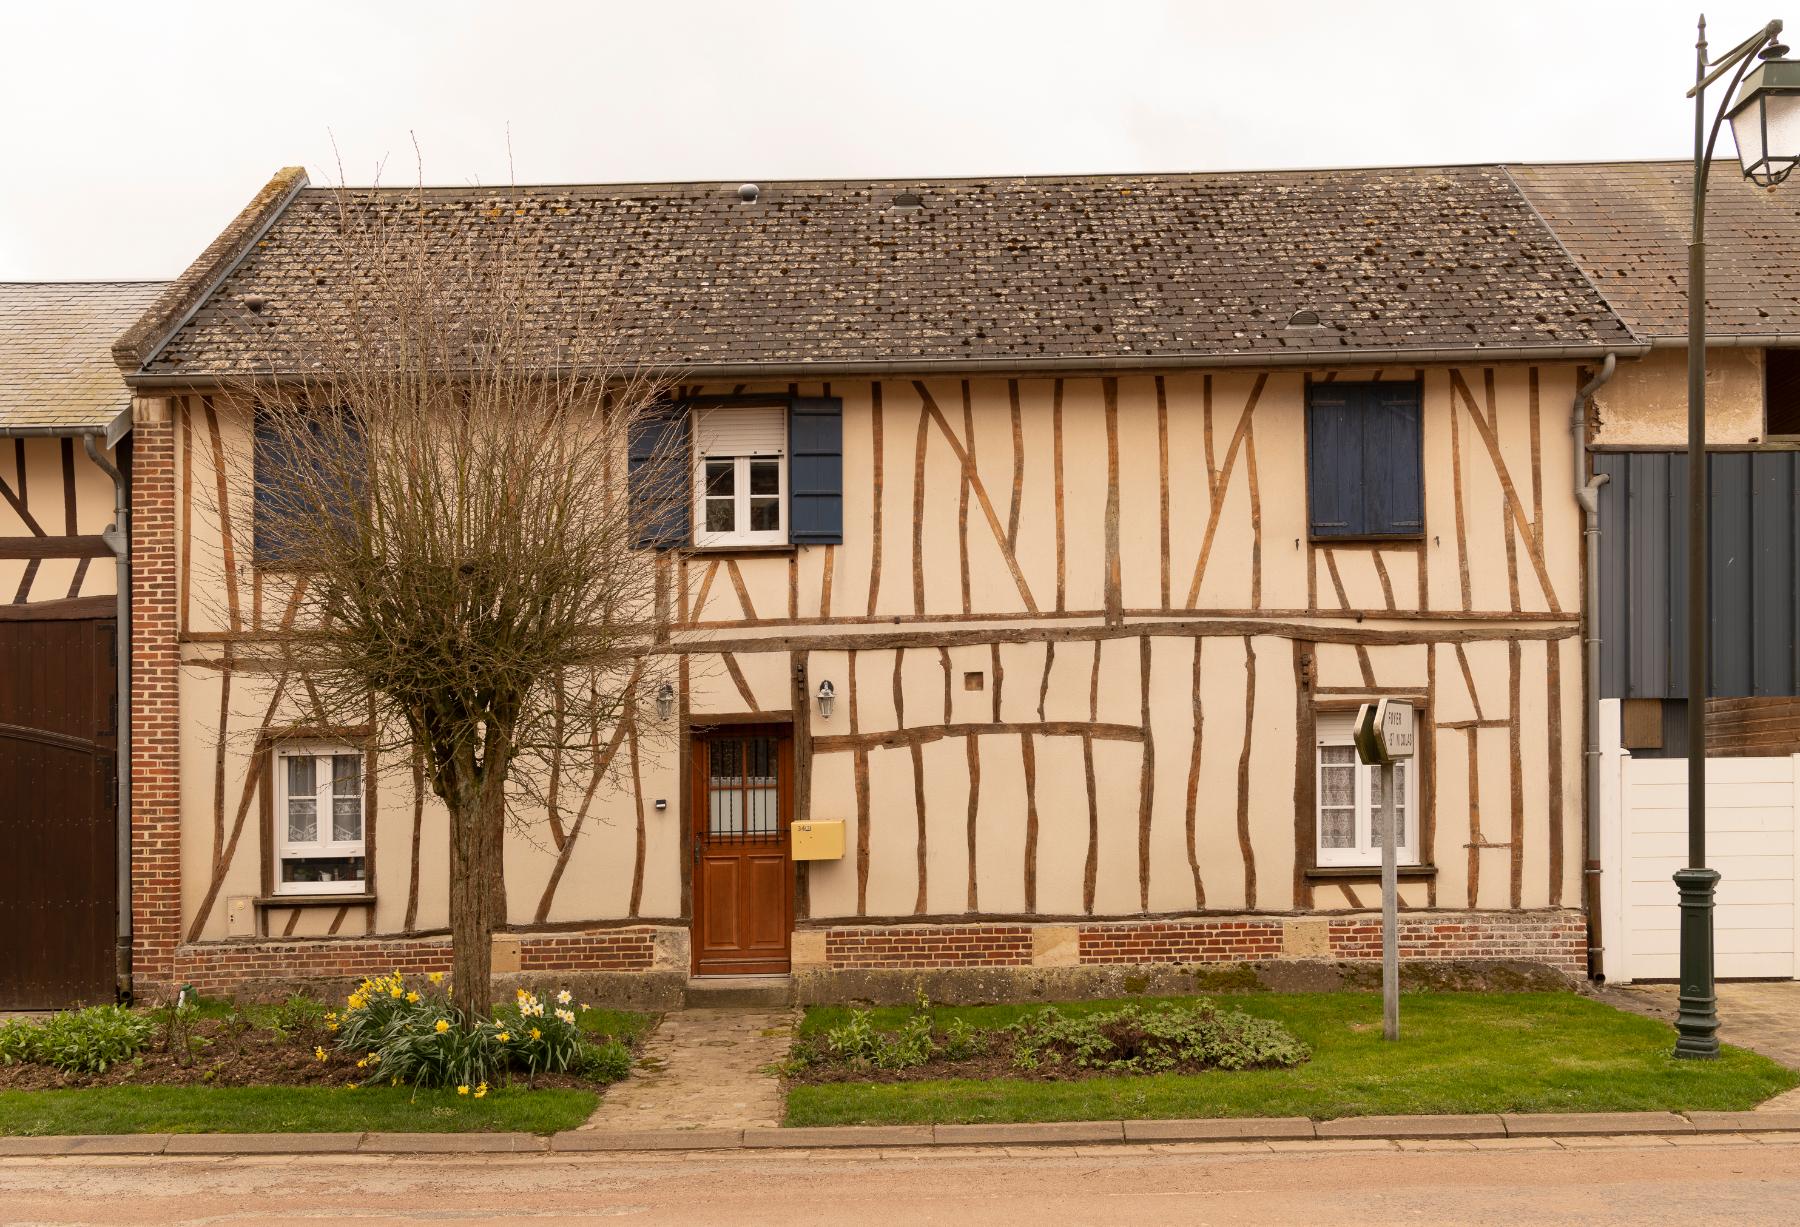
(389, 1033)
(1047, 1045)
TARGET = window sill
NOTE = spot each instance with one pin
(263, 902)
(1367, 539)
(1324, 873)
(746, 551)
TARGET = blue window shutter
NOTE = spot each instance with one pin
(271, 466)
(1393, 497)
(816, 470)
(1363, 475)
(662, 515)
(1334, 448)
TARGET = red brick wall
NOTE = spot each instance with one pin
(1180, 941)
(1556, 938)
(226, 967)
(155, 710)
(935, 946)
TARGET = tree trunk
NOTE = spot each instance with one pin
(477, 894)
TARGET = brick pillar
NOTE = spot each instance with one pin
(155, 703)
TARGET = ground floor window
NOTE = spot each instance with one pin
(319, 820)
(1349, 808)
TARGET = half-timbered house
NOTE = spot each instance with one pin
(64, 418)
(1051, 530)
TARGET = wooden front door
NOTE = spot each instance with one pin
(743, 871)
(59, 869)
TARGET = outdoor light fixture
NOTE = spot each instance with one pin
(1766, 118)
(827, 697)
(665, 701)
(1766, 122)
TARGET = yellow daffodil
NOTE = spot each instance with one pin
(442, 1026)
(563, 997)
(374, 1058)
(586, 1006)
(363, 1064)
(331, 1026)
(396, 1080)
(412, 998)
(351, 1086)
(319, 1052)
(462, 1090)
(481, 1091)
(503, 1037)
(535, 1034)
(436, 977)
(395, 991)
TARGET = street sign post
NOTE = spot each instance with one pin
(1385, 734)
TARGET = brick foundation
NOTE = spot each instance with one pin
(929, 946)
(220, 968)
(1556, 939)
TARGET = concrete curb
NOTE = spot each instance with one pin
(1281, 1130)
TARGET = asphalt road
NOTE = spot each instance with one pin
(1526, 1182)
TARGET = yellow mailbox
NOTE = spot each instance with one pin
(819, 839)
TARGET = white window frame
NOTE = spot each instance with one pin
(1333, 728)
(324, 847)
(741, 458)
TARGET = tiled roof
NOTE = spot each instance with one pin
(1627, 224)
(56, 366)
(1114, 269)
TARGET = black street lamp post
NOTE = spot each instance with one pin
(1765, 123)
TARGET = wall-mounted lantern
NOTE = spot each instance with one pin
(827, 697)
(665, 701)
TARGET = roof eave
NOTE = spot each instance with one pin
(1048, 365)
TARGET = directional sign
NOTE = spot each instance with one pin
(1384, 731)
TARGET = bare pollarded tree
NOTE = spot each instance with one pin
(459, 471)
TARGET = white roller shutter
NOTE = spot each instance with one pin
(731, 430)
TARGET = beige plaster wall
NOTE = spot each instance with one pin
(1074, 667)
(1645, 402)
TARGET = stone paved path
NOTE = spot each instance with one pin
(704, 1069)
(1763, 1016)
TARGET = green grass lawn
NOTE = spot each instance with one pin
(1458, 1052)
(280, 1109)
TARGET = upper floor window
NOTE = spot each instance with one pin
(1364, 474)
(319, 820)
(741, 495)
(1781, 393)
(1349, 809)
(766, 472)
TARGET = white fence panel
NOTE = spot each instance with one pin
(1751, 833)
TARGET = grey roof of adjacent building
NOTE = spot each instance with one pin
(1025, 273)
(56, 368)
(1627, 224)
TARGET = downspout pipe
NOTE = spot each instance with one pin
(1587, 493)
(118, 539)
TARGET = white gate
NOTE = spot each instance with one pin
(1751, 804)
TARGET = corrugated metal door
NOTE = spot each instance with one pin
(58, 889)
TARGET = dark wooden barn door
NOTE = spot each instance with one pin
(58, 889)
(743, 874)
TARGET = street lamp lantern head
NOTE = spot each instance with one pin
(1765, 120)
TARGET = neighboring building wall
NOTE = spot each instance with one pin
(54, 504)
(1645, 402)
(1078, 634)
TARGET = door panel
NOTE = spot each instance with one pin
(743, 887)
(58, 883)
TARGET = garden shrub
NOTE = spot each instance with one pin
(609, 1062)
(90, 1041)
(1131, 1039)
(19, 1041)
(859, 1045)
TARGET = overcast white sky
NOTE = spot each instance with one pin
(134, 131)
